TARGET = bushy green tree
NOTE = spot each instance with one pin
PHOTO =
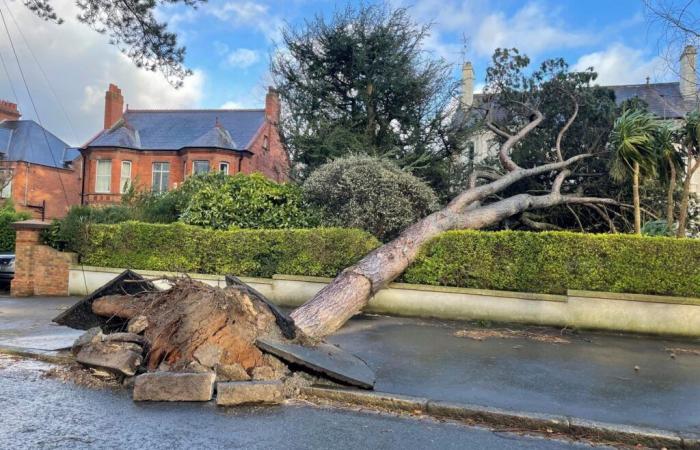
(362, 82)
(368, 193)
(245, 201)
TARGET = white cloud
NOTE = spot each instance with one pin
(619, 64)
(80, 64)
(243, 58)
(250, 15)
(532, 30)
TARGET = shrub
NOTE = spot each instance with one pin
(71, 232)
(246, 201)
(7, 233)
(553, 262)
(180, 247)
(368, 193)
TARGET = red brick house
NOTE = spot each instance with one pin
(157, 149)
(40, 173)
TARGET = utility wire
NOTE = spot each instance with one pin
(38, 118)
(41, 69)
(9, 79)
(31, 100)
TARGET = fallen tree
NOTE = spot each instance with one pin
(477, 207)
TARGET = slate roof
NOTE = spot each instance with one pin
(664, 99)
(26, 140)
(178, 129)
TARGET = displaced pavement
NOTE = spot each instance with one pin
(591, 377)
(42, 413)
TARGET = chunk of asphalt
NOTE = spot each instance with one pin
(80, 315)
(497, 416)
(627, 434)
(174, 387)
(325, 359)
(390, 402)
(249, 392)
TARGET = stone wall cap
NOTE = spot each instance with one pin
(32, 224)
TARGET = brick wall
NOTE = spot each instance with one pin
(33, 183)
(39, 269)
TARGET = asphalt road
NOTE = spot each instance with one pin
(41, 413)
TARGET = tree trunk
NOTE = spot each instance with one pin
(348, 293)
(685, 197)
(635, 199)
(669, 196)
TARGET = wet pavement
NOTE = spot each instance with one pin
(591, 377)
(42, 413)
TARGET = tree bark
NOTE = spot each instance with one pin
(693, 166)
(348, 293)
(669, 195)
(635, 199)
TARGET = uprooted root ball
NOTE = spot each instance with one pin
(194, 326)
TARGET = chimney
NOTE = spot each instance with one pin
(272, 105)
(9, 111)
(689, 75)
(467, 85)
(114, 105)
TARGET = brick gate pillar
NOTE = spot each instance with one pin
(39, 269)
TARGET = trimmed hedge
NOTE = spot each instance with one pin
(553, 262)
(260, 253)
(7, 233)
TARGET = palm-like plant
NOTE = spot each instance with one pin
(670, 163)
(633, 155)
(691, 147)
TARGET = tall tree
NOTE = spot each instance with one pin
(670, 163)
(479, 206)
(593, 121)
(133, 27)
(362, 82)
(691, 146)
(632, 141)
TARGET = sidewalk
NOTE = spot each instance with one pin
(592, 376)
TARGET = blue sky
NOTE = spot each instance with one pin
(229, 43)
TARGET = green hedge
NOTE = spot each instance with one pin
(553, 262)
(262, 253)
(7, 233)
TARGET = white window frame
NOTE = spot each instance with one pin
(102, 180)
(194, 165)
(227, 166)
(157, 169)
(125, 178)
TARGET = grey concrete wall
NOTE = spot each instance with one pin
(678, 316)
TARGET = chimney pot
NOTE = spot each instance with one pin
(114, 106)
(9, 111)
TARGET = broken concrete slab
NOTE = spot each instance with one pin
(231, 372)
(120, 357)
(249, 392)
(174, 387)
(91, 336)
(326, 359)
(80, 315)
(283, 320)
